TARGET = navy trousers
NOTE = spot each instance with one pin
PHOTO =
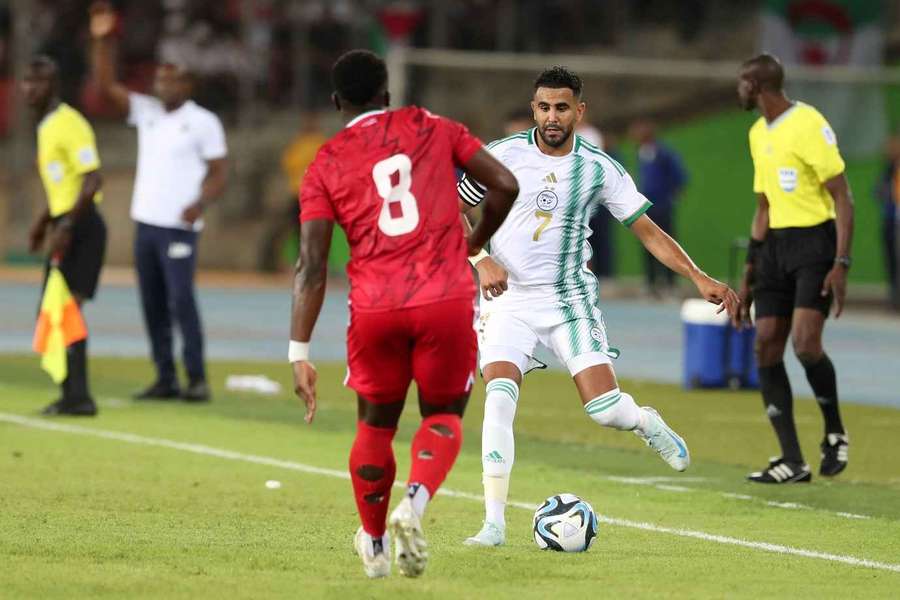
(166, 261)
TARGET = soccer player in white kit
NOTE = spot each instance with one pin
(536, 285)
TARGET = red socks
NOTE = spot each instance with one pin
(434, 450)
(372, 470)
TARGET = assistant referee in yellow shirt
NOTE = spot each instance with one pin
(798, 260)
(70, 171)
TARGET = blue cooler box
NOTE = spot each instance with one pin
(715, 355)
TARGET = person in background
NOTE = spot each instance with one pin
(181, 170)
(297, 156)
(888, 194)
(517, 120)
(797, 262)
(590, 133)
(70, 171)
(661, 176)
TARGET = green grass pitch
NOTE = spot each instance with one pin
(179, 509)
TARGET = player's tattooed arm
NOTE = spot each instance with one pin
(671, 254)
(502, 190)
(309, 292)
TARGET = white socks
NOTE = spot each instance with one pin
(615, 409)
(498, 446)
(418, 497)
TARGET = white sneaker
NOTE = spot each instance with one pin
(666, 442)
(410, 547)
(490, 535)
(375, 564)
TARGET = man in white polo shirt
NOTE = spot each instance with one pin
(181, 169)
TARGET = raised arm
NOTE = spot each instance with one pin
(502, 190)
(309, 293)
(836, 280)
(103, 57)
(669, 253)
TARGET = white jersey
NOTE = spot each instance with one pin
(543, 243)
(173, 149)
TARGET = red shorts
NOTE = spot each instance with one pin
(434, 345)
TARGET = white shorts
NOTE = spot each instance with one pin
(575, 333)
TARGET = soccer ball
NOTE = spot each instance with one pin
(565, 523)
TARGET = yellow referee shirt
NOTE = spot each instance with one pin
(793, 156)
(66, 151)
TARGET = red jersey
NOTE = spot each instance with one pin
(389, 180)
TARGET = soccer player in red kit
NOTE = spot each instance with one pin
(388, 179)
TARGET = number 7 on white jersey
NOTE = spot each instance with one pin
(409, 211)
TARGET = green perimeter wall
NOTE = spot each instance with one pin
(718, 203)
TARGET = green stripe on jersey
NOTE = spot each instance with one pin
(637, 214)
(572, 222)
(516, 136)
(595, 150)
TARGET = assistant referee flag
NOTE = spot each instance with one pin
(59, 325)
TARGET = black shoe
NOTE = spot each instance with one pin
(834, 454)
(196, 391)
(782, 471)
(159, 391)
(83, 408)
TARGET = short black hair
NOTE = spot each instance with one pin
(559, 77)
(768, 72)
(358, 76)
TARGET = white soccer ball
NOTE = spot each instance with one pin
(565, 523)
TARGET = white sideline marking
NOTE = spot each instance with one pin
(652, 482)
(847, 515)
(738, 496)
(655, 479)
(294, 466)
(786, 505)
(672, 488)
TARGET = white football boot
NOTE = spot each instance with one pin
(410, 547)
(490, 535)
(375, 564)
(666, 442)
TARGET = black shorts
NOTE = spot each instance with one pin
(83, 261)
(790, 270)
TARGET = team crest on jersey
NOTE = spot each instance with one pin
(547, 200)
(597, 334)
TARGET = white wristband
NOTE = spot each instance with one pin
(298, 351)
(474, 260)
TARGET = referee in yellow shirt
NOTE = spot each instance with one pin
(798, 260)
(70, 170)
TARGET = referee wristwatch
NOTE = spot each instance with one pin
(844, 261)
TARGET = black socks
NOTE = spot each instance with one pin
(823, 381)
(779, 403)
(75, 386)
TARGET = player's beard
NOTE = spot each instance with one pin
(566, 134)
